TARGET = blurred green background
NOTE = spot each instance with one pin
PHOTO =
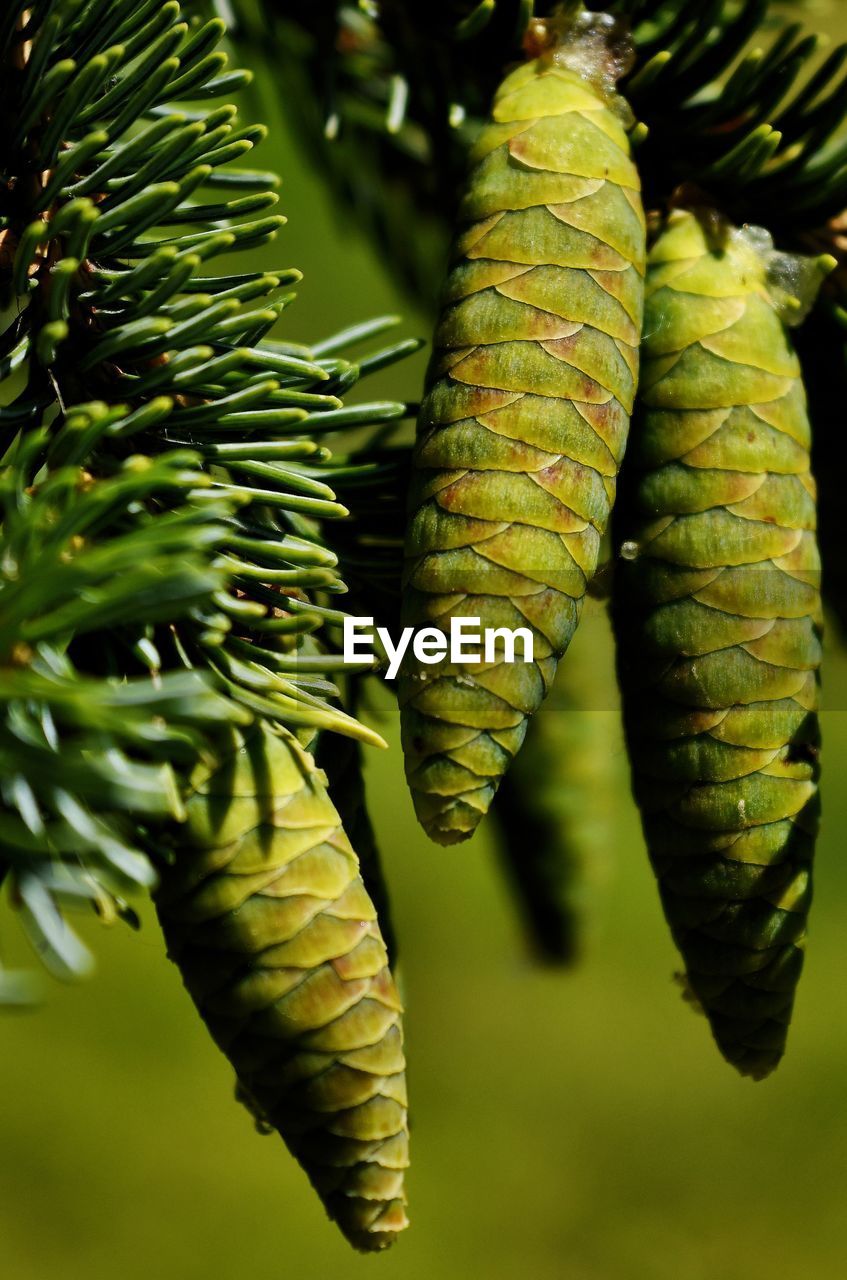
(578, 1126)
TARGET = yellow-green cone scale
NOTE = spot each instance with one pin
(265, 914)
(718, 617)
(523, 425)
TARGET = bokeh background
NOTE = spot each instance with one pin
(577, 1126)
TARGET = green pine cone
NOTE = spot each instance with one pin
(341, 760)
(553, 812)
(265, 914)
(718, 621)
(524, 422)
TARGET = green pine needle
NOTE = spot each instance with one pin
(162, 551)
